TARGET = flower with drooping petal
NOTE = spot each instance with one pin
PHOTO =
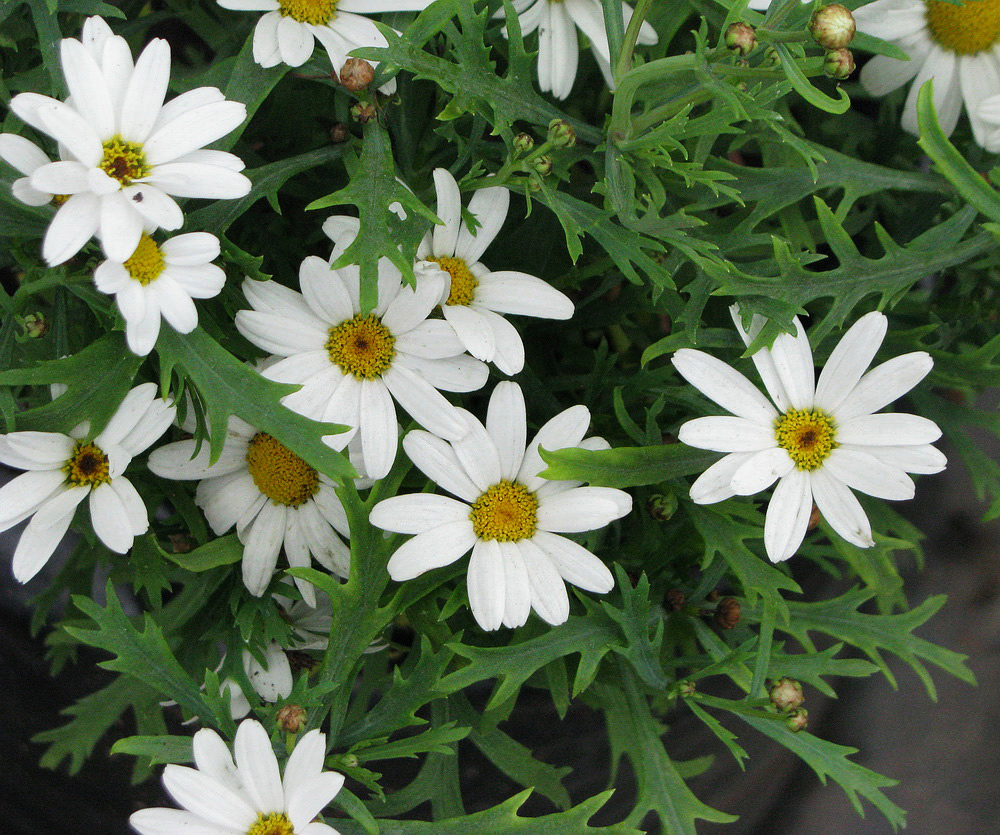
(246, 793)
(125, 151)
(506, 513)
(286, 32)
(274, 498)
(162, 279)
(956, 45)
(558, 49)
(352, 364)
(475, 297)
(823, 439)
(63, 470)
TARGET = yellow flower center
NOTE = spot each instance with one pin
(87, 466)
(507, 511)
(317, 12)
(808, 435)
(361, 346)
(280, 474)
(276, 823)
(59, 199)
(968, 29)
(146, 263)
(123, 160)
(463, 282)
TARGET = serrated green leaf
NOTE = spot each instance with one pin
(225, 550)
(156, 749)
(641, 649)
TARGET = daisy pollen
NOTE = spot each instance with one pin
(823, 439)
(956, 45)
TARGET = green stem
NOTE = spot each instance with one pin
(776, 36)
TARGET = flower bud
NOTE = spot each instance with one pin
(561, 134)
(542, 165)
(349, 760)
(786, 694)
(356, 74)
(832, 27)
(291, 719)
(797, 719)
(740, 38)
(674, 600)
(35, 325)
(363, 111)
(661, 506)
(727, 613)
(339, 133)
(839, 63)
(523, 143)
(686, 689)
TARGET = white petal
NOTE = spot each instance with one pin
(794, 363)
(788, 516)
(193, 130)
(489, 206)
(42, 450)
(208, 798)
(110, 519)
(724, 385)
(580, 509)
(431, 339)
(273, 679)
(61, 178)
(277, 335)
(409, 307)
(884, 384)
(941, 65)
(548, 591)
(75, 133)
(212, 757)
(863, 471)
(121, 227)
(485, 584)
(457, 373)
(190, 249)
(507, 291)
(473, 331)
(478, 454)
(158, 210)
(424, 403)
(192, 179)
(261, 545)
(23, 495)
(133, 406)
(45, 530)
(21, 153)
(135, 508)
(849, 360)
(175, 305)
(307, 798)
(437, 547)
(295, 41)
(377, 428)
(888, 429)
(437, 460)
(727, 434)
(145, 92)
(449, 210)
(73, 225)
(575, 563)
(324, 292)
(715, 484)
(761, 471)
(87, 87)
(505, 421)
(840, 508)
(305, 761)
(518, 591)
(258, 765)
(560, 432)
(509, 356)
(762, 360)
(417, 512)
(919, 458)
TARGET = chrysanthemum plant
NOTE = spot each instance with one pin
(419, 364)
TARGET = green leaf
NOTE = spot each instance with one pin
(97, 380)
(229, 387)
(828, 759)
(802, 86)
(156, 749)
(504, 820)
(626, 466)
(225, 550)
(969, 182)
(727, 737)
(634, 733)
(439, 740)
(635, 619)
(875, 634)
(142, 655)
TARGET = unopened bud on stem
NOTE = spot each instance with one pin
(356, 74)
(786, 694)
(740, 38)
(561, 134)
(839, 63)
(832, 27)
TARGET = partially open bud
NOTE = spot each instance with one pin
(839, 63)
(727, 613)
(363, 111)
(686, 689)
(740, 38)
(35, 325)
(542, 165)
(797, 719)
(832, 27)
(561, 134)
(291, 719)
(662, 506)
(523, 143)
(786, 694)
(356, 74)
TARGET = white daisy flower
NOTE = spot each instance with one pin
(474, 296)
(223, 796)
(125, 151)
(63, 470)
(286, 31)
(508, 515)
(26, 157)
(822, 440)
(352, 365)
(274, 498)
(558, 49)
(162, 279)
(957, 46)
